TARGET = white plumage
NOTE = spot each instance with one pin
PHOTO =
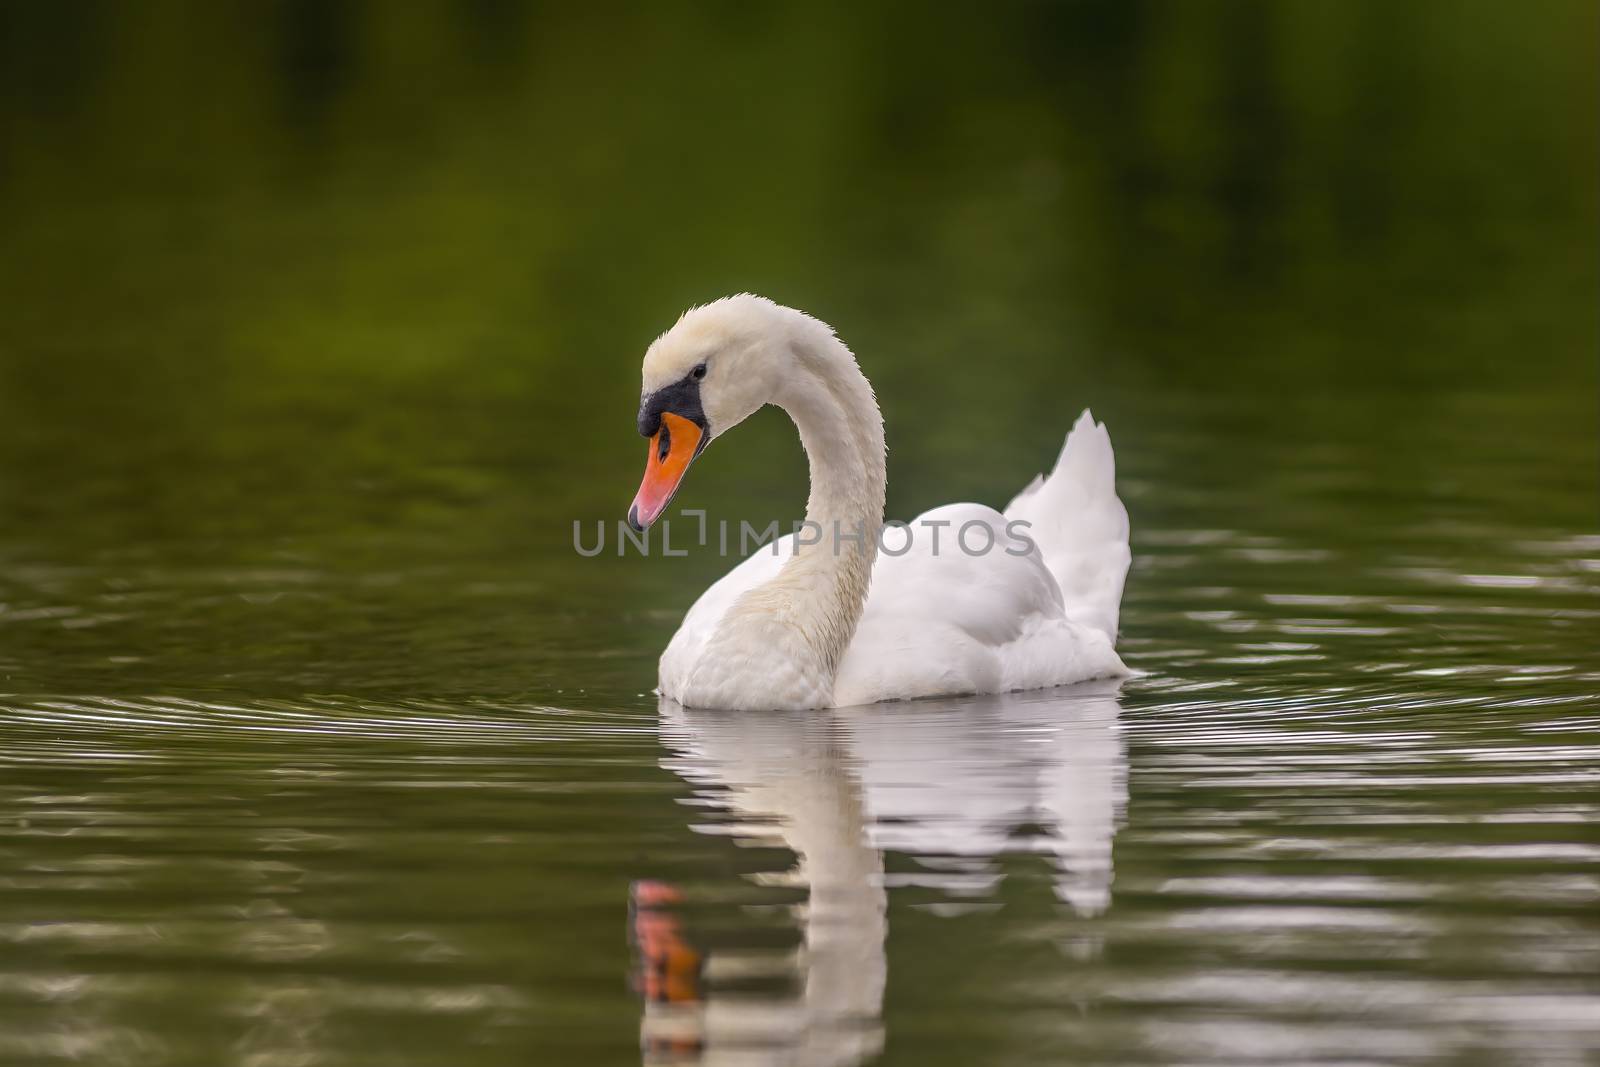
(1024, 600)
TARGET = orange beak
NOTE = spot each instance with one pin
(672, 449)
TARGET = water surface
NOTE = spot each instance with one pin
(321, 746)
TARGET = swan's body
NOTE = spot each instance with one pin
(988, 603)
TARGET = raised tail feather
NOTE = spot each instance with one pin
(1080, 526)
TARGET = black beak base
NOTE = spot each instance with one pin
(682, 397)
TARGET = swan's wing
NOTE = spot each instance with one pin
(1080, 525)
(701, 621)
(960, 605)
(968, 600)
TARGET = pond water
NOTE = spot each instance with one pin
(1348, 813)
(320, 745)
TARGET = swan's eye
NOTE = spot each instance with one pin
(698, 373)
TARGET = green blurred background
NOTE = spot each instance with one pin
(320, 324)
(322, 320)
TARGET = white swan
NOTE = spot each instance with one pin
(963, 600)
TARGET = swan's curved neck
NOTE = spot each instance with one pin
(824, 586)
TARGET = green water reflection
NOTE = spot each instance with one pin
(322, 324)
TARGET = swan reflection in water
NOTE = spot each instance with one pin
(952, 784)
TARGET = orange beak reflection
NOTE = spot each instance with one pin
(672, 449)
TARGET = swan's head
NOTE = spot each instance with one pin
(707, 374)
